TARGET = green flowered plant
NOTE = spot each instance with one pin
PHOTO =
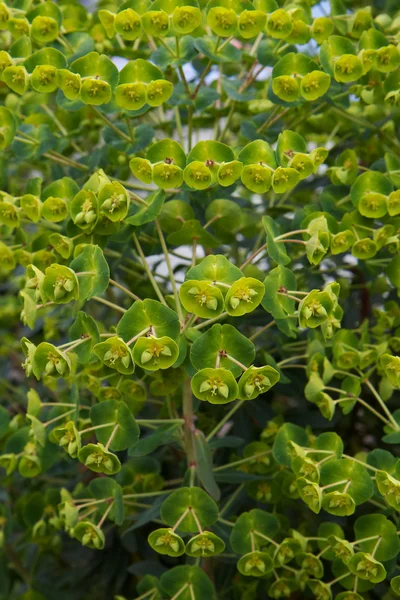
(199, 300)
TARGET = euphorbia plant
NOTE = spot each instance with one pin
(199, 275)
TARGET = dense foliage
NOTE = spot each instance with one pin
(199, 313)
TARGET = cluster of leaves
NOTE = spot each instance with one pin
(199, 207)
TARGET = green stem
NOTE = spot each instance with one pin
(111, 124)
(171, 273)
(242, 461)
(147, 269)
(110, 304)
(124, 289)
(224, 420)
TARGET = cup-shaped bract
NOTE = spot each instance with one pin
(60, 284)
(202, 298)
(116, 354)
(127, 24)
(256, 381)
(89, 535)
(97, 458)
(204, 545)
(217, 386)
(166, 541)
(153, 353)
(244, 296)
(113, 201)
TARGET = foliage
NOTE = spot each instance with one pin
(199, 275)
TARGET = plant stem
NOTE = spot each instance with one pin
(110, 304)
(242, 461)
(124, 289)
(382, 404)
(147, 269)
(171, 273)
(261, 331)
(189, 427)
(225, 419)
(111, 125)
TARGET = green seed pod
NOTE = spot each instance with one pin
(314, 85)
(155, 23)
(279, 24)
(217, 386)
(44, 79)
(84, 210)
(60, 284)
(186, 19)
(16, 77)
(244, 296)
(153, 353)
(113, 201)
(89, 535)
(201, 298)
(114, 353)
(142, 169)
(256, 381)
(44, 29)
(167, 176)
(67, 436)
(159, 91)
(204, 545)
(131, 96)
(286, 88)
(96, 458)
(222, 21)
(166, 541)
(128, 24)
(285, 179)
(257, 178)
(196, 175)
(251, 23)
(348, 68)
(69, 83)
(255, 564)
(95, 92)
(338, 503)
